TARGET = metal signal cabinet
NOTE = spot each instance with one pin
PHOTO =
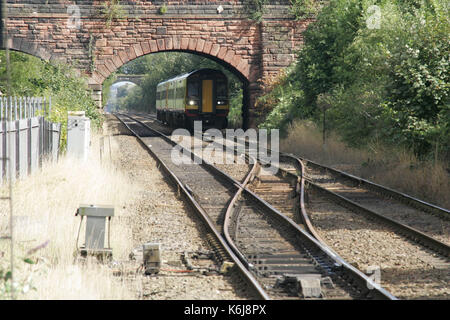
(78, 134)
(151, 255)
(96, 229)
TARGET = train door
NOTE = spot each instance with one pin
(207, 96)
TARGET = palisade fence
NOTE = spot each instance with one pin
(26, 137)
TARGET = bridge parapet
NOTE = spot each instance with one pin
(134, 78)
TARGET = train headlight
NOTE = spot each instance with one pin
(191, 102)
(221, 102)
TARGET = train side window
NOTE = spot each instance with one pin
(180, 92)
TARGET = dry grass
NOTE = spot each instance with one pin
(44, 210)
(397, 169)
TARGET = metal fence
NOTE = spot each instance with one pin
(26, 137)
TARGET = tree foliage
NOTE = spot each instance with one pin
(389, 82)
(31, 76)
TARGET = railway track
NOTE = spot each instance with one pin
(410, 264)
(401, 211)
(345, 194)
(396, 205)
(195, 183)
(425, 253)
(275, 256)
(398, 210)
(286, 265)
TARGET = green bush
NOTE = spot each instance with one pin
(389, 83)
(305, 8)
(31, 76)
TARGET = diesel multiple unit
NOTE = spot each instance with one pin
(201, 95)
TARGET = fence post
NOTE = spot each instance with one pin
(34, 143)
(29, 144)
(15, 108)
(3, 140)
(29, 135)
(17, 149)
(41, 139)
(20, 107)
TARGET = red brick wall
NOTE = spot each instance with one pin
(253, 51)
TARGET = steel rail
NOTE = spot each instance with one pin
(303, 214)
(300, 187)
(197, 208)
(404, 198)
(229, 212)
(357, 276)
(410, 232)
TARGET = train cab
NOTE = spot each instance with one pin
(201, 95)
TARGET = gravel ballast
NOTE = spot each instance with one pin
(157, 214)
(407, 270)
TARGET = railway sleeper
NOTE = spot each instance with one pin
(276, 261)
(264, 188)
(309, 286)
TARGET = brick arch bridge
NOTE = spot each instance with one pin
(134, 78)
(78, 33)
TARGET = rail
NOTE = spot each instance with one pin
(351, 273)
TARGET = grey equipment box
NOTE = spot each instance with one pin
(78, 134)
(96, 230)
(151, 256)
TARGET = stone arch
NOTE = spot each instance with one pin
(33, 48)
(129, 78)
(221, 54)
(256, 52)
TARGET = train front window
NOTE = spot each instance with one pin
(221, 91)
(193, 89)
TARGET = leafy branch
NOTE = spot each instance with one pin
(111, 11)
(20, 286)
(305, 8)
(162, 9)
(256, 9)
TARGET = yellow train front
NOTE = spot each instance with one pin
(201, 95)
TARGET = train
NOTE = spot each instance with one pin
(200, 95)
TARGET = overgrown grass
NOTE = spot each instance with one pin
(396, 168)
(44, 207)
